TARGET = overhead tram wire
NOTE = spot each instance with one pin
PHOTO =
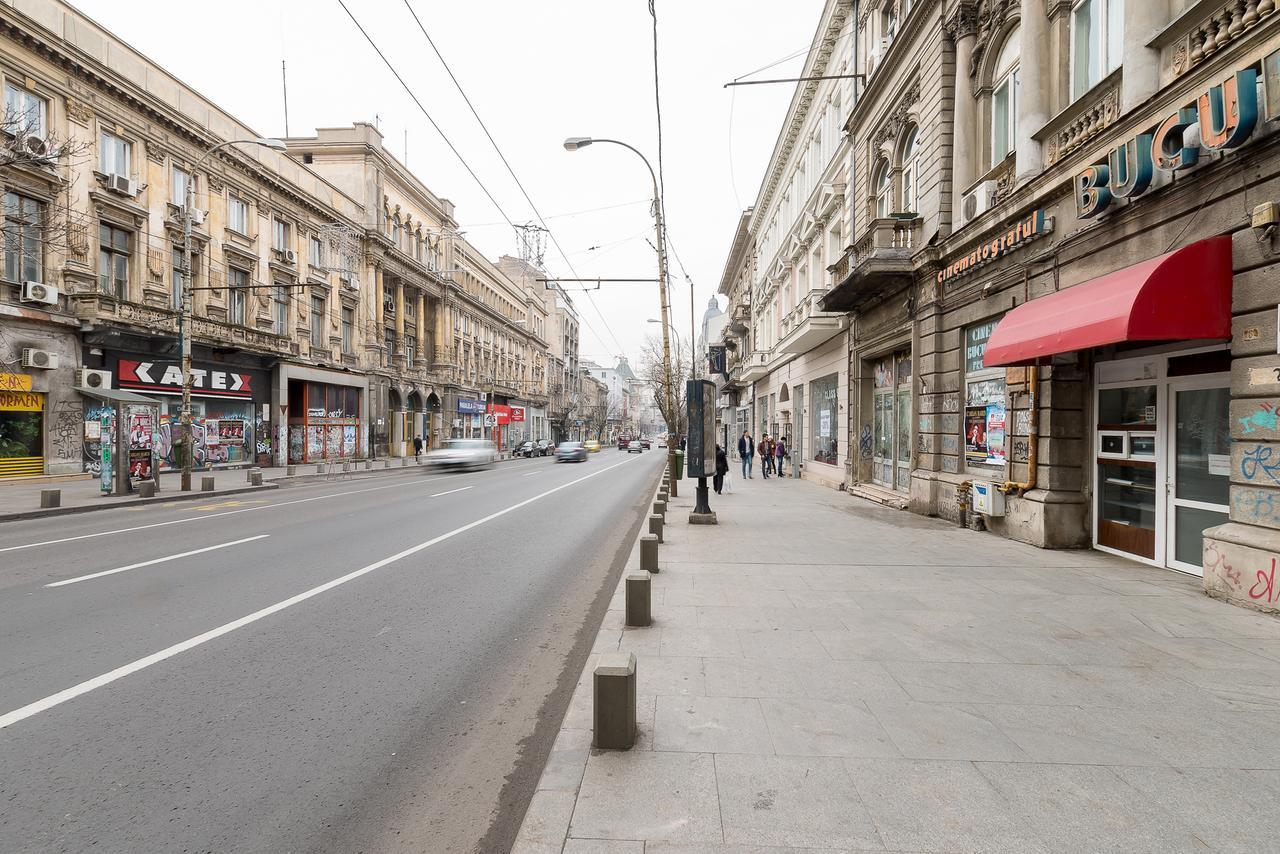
(514, 177)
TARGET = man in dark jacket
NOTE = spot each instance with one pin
(417, 447)
(722, 468)
(746, 450)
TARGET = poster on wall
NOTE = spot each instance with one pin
(106, 429)
(975, 434)
(230, 431)
(140, 463)
(824, 424)
(141, 429)
(995, 434)
(212, 431)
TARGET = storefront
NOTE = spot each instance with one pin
(468, 421)
(324, 413)
(21, 427)
(230, 408)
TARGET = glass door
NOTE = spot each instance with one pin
(1127, 493)
(1199, 457)
(796, 449)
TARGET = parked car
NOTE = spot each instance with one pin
(545, 448)
(592, 445)
(571, 452)
(463, 454)
(526, 449)
(635, 446)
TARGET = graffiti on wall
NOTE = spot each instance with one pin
(1255, 506)
(66, 430)
(1264, 418)
(864, 442)
(91, 449)
(1260, 463)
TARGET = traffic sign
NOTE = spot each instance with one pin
(490, 420)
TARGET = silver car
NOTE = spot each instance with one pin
(571, 452)
(463, 454)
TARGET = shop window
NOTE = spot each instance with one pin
(25, 112)
(1004, 99)
(1097, 39)
(824, 419)
(114, 155)
(23, 220)
(115, 246)
(984, 401)
(237, 295)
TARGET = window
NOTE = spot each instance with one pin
(395, 232)
(237, 291)
(883, 182)
(175, 280)
(1097, 37)
(348, 326)
(238, 215)
(315, 252)
(280, 309)
(317, 322)
(25, 113)
(113, 154)
(178, 187)
(114, 249)
(23, 218)
(279, 234)
(1004, 100)
(388, 299)
(824, 419)
(984, 398)
(410, 350)
(909, 177)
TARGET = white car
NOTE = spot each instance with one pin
(462, 454)
(634, 445)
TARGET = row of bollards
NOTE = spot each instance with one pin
(614, 678)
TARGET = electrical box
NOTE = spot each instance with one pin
(987, 500)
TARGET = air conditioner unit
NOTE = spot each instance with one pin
(34, 146)
(89, 378)
(39, 292)
(197, 216)
(122, 184)
(290, 256)
(43, 359)
(978, 200)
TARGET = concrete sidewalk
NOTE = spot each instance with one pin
(824, 674)
(21, 500)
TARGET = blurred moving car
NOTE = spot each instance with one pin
(592, 445)
(634, 445)
(464, 454)
(623, 441)
(571, 452)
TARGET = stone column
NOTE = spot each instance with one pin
(965, 149)
(420, 311)
(398, 359)
(1141, 63)
(1033, 87)
(378, 285)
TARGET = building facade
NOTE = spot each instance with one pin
(560, 321)
(1057, 276)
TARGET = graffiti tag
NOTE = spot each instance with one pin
(1264, 419)
(1259, 460)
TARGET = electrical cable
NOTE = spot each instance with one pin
(512, 172)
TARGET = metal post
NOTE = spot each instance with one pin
(184, 339)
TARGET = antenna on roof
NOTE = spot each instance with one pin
(284, 84)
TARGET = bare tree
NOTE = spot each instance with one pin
(654, 374)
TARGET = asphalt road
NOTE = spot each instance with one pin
(376, 664)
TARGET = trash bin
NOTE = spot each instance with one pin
(679, 464)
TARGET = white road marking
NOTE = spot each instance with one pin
(531, 474)
(132, 667)
(451, 491)
(67, 581)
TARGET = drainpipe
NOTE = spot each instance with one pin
(1033, 384)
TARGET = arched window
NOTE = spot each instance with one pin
(1004, 100)
(882, 180)
(910, 179)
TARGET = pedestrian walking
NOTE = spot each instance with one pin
(417, 447)
(780, 454)
(746, 451)
(766, 456)
(722, 469)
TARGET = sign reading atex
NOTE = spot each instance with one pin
(1225, 115)
(166, 378)
(1035, 225)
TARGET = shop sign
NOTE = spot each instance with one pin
(474, 407)
(1226, 115)
(975, 345)
(501, 414)
(15, 382)
(21, 401)
(1023, 231)
(517, 414)
(166, 377)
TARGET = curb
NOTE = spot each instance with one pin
(132, 502)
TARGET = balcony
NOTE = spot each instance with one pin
(754, 367)
(807, 325)
(878, 263)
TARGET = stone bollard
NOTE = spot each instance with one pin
(290, 471)
(146, 489)
(248, 475)
(660, 507)
(255, 479)
(404, 462)
(648, 552)
(639, 609)
(663, 496)
(613, 712)
(386, 464)
(50, 498)
(368, 464)
(206, 484)
(655, 526)
(346, 465)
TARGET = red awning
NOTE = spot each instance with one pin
(1182, 296)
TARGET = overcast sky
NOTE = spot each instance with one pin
(537, 72)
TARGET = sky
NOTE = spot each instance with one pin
(537, 72)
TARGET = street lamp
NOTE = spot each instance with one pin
(184, 313)
(574, 143)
